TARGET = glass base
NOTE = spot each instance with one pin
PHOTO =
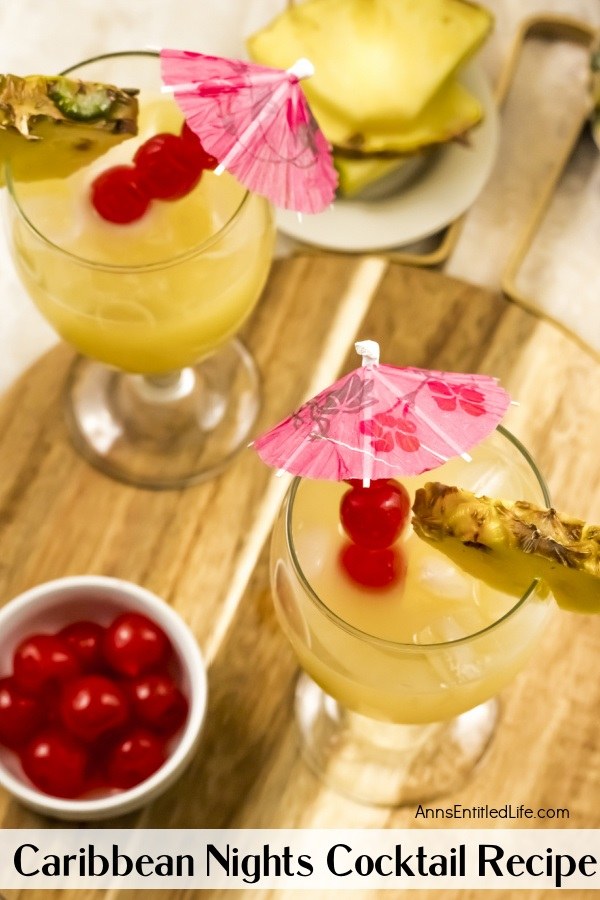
(164, 431)
(384, 764)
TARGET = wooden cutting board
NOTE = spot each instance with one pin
(204, 548)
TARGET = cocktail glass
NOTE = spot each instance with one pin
(162, 396)
(391, 721)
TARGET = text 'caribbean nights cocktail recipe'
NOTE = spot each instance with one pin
(309, 859)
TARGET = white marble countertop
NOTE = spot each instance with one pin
(561, 273)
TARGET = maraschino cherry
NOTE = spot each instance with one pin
(373, 568)
(117, 197)
(165, 167)
(373, 518)
(92, 707)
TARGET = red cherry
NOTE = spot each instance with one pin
(166, 167)
(41, 660)
(20, 715)
(117, 196)
(373, 517)
(56, 763)
(49, 699)
(93, 705)
(134, 757)
(373, 568)
(193, 142)
(158, 703)
(134, 644)
(85, 639)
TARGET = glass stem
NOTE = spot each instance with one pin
(165, 388)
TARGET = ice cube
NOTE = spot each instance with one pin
(442, 579)
(486, 478)
(315, 548)
(454, 664)
(65, 227)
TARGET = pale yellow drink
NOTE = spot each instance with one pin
(155, 295)
(425, 649)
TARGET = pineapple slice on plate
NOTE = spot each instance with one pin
(450, 113)
(509, 544)
(51, 126)
(373, 178)
(376, 61)
(386, 80)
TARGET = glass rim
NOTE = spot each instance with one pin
(126, 268)
(385, 643)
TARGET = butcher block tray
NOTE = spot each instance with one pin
(205, 549)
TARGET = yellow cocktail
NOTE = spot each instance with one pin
(159, 297)
(424, 655)
(155, 295)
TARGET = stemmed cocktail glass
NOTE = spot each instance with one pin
(162, 395)
(396, 702)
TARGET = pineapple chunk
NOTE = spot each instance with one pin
(509, 544)
(449, 114)
(355, 175)
(372, 178)
(376, 61)
(51, 126)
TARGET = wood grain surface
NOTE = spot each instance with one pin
(204, 549)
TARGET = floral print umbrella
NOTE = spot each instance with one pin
(380, 421)
(256, 121)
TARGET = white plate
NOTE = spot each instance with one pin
(447, 188)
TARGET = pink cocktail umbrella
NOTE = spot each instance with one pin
(380, 421)
(256, 121)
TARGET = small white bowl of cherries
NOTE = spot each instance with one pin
(102, 697)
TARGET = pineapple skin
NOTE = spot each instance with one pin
(40, 138)
(510, 544)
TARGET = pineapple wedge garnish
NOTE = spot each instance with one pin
(509, 544)
(51, 126)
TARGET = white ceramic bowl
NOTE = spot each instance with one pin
(50, 606)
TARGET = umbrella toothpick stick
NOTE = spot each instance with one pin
(369, 350)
